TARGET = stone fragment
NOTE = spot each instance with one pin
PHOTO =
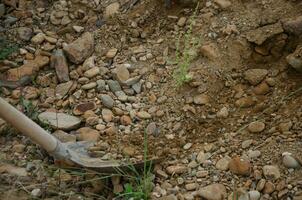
(59, 120)
(59, 63)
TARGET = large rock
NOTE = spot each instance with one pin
(255, 76)
(80, 49)
(31, 67)
(60, 121)
(59, 63)
(213, 192)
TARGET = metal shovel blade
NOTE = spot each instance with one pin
(74, 152)
(79, 154)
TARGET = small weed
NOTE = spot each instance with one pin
(184, 56)
(6, 49)
(29, 109)
(140, 185)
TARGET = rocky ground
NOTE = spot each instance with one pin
(103, 72)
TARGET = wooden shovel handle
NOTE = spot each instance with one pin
(27, 127)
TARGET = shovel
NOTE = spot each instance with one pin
(74, 152)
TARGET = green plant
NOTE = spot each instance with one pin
(140, 184)
(29, 109)
(184, 56)
(7, 48)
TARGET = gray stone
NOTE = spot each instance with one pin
(89, 86)
(107, 101)
(289, 161)
(254, 195)
(59, 120)
(114, 86)
(101, 85)
(137, 87)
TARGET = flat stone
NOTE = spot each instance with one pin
(201, 99)
(111, 53)
(255, 76)
(256, 127)
(59, 120)
(63, 89)
(80, 49)
(83, 107)
(176, 169)
(38, 39)
(89, 86)
(92, 72)
(213, 192)
(59, 63)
